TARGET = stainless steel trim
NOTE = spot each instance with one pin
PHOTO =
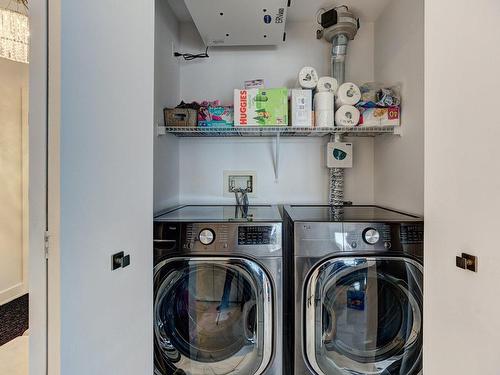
(267, 298)
(310, 313)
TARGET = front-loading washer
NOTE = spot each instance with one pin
(218, 291)
(357, 290)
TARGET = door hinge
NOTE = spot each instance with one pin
(46, 238)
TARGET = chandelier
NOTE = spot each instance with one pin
(14, 33)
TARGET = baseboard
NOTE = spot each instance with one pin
(12, 293)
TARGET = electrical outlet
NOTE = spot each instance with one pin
(234, 180)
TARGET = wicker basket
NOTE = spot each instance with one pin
(180, 117)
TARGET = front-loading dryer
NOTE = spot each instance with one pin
(357, 290)
(218, 291)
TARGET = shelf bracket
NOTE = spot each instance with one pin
(277, 156)
(161, 130)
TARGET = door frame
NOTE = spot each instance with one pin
(43, 273)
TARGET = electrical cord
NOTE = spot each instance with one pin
(190, 56)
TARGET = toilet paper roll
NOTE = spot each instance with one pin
(327, 84)
(324, 101)
(324, 119)
(347, 115)
(308, 78)
(348, 94)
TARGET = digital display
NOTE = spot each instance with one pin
(255, 235)
(412, 234)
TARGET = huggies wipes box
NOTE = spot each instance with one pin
(261, 107)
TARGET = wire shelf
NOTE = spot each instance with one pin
(273, 131)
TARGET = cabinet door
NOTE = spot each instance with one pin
(106, 186)
(462, 196)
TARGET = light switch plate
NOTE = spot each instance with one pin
(240, 179)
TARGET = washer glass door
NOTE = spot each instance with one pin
(364, 316)
(212, 316)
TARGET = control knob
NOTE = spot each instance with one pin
(371, 236)
(207, 236)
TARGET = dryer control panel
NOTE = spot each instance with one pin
(367, 236)
(384, 237)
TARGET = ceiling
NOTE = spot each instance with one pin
(305, 10)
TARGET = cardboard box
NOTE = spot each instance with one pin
(261, 107)
(301, 108)
(390, 116)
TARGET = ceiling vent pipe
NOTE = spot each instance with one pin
(340, 26)
(344, 27)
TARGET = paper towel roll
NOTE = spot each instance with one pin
(327, 84)
(308, 78)
(324, 119)
(348, 94)
(324, 101)
(347, 115)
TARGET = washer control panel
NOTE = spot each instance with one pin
(262, 238)
(255, 235)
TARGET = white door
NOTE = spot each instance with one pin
(462, 196)
(104, 153)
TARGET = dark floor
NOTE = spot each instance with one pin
(13, 319)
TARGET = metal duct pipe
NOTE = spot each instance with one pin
(345, 29)
(339, 53)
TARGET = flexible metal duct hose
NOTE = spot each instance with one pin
(336, 187)
(336, 213)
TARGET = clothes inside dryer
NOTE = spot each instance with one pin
(370, 316)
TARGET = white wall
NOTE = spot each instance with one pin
(302, 170)
(167, 94)
(228, 67)
(399, 57)
(462, 185)
(303, 174)
(106, 180)
(13, 168)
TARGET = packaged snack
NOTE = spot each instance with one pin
(380, 116)
(261, 107)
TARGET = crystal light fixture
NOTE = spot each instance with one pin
(14, 35)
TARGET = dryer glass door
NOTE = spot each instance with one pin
(364, 316)
(212, 316)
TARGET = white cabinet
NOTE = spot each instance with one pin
(104, 173)
(462, 329)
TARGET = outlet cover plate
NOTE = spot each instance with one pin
(240, 180)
